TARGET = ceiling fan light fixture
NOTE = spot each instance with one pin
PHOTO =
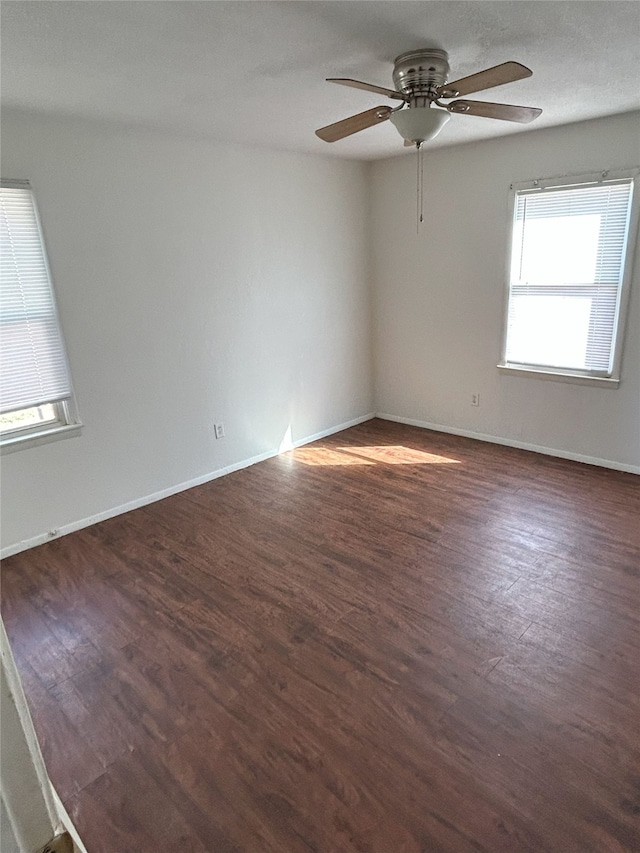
(419, 124)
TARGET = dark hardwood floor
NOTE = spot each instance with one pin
(391, 640)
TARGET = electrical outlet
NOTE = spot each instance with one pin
(219, 429)
(475, 399)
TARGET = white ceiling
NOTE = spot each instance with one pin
(253, 72)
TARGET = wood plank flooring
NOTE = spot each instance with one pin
(389, 641)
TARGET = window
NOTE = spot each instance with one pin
(569, 278)
(36, 397)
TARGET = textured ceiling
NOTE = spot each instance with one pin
(253, 72)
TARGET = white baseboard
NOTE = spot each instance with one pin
(508, 442)
(68, 823)
(64, 529)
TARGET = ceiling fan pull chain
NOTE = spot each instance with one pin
(419, 186)
(421, 156)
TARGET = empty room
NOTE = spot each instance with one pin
(320, 426)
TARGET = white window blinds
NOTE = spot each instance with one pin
(567, 265)
(33, 364)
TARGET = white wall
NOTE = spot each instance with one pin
(195, 283)
(439, 295)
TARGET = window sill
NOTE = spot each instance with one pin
(557, 376)
(11, 444)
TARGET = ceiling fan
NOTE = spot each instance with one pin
(420, 79)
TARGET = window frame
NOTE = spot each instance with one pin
(66, 425)
(578, 377)
(67, 422)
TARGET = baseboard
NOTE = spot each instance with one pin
(65, 529)
(508, 442)
(78, 846)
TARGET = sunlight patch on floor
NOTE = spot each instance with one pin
(394, 454)
(326, 456)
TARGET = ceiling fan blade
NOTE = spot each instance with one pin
(506, 112)
(507, 72)
(368, 87)
(340, 129)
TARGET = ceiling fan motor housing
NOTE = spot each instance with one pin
(420, 72)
